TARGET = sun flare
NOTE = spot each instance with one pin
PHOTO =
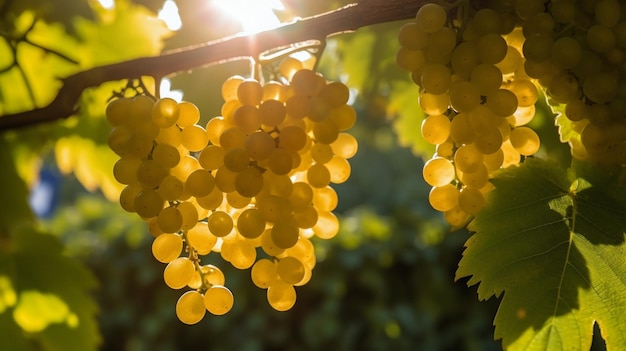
(254, 15)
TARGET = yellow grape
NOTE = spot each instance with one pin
(178, 272)
(167, 247)
(165, 112)
(220, 223)
(188, 115)
(200, 238)
(263, 273)
(218, 300)
(281, 295)
(438, 171)
(190, 307)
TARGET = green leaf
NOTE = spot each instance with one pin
(553, 243)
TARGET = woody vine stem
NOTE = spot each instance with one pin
(319, 27)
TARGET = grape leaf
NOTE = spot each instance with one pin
(553, 243)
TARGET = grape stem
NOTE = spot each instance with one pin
(346, 19)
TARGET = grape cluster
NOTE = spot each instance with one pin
(576, 50)
(252, 185)
(476, 97)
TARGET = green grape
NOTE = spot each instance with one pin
(538, 47)
(272, 113)
(263, 273)
(298, 106)
(511, 61)
(502, 102)
(148, 203)
(464, 96)
(280, 185)
(284, 233)
(445, 149)
(140, 112)
(188, 115)
(125, 170)
(170, 220)
(225, 179)
(236, 200)
(434, 104)
(525, 91)
(171, 188)
(211, 157)
(522, 116)
(528, 8)
(281, 295)
(280, 161)
(327, 225)
(260, 145)
(305, 217)
(576, 110)
(214, 128)
(199, 183)
(345, 146)
(301, 195)
(247, 118)
(166, 155)
(318, 175)
(412, 37)
(220, 223)
(601, 88)
(456, 217)
(563, 11)
(165, 112)
(170, 136)
(211, 201)
(118, 140)
(441, 44)
(525, 140)
(566, 52)
(325, 199)
(250, 223)
(339, 169)
(608, 12)
(274, 90)
(117, 111)
(443, 198)
(476, 179)
(250, 92)
(493, 161)
(230, 86)
(540, 23)
(240, 253)
(491, 48)
(306, 82)
(292, 138)
(464, 58)
(218, 300)
(436, 78)
(128, 195)
(194, 138)
(249, 182)
(268, 245)
(410, 60)
(190, 307)
(167, 247)
(431, 17)
(438, 171)
(139, 145)
(178, 272)
(471, 201)
(461, 129)
(289, 66)
(486, 78)
(563, 88)
(489, 142)
(600, 39)
(236, 160)
(344, 117)
(468, 158)
(189, 213)
(322, 152)
(325, 131)
(290, 270)
(200, 238)
(335, 93)
(487, 21)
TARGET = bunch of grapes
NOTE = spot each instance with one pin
(576, 50)
(253, 185)
(477, 99)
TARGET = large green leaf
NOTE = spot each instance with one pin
(553, 243)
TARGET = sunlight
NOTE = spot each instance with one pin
(169, 15)
(254, 15)
(107, 4)
(165, 90)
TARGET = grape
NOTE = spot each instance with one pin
(167, 247)
(436, 78)
(117, 111)
(225, 179)
(471, 200)
(211, 276)
(336, 94)
(128, 195)
(292, 138)
(272, 113)
(600, 39)
(260, 145)
(189, 213)
(250, 92)
(264, 273)
(306, 82)
(178, 272)
(468, 158)
(148, 203)
(345, 146)
(200, 183)
(461, 129)
(171, 188)
(290, 270)
(165, 112)
(218, 300)
(305, 217)
(318, 175)
(492, 48)
(476, 179)
(486, 78)
(166, 155)
(236, 200)
(344, 117)
(412, 37)
(280, 161)
(443, 198)
(194, 138)
(200, 238)
(251, 223)
(566, 52)
(464, 58)
(327, 225)
(281, 295)
(434, 104)
(284, 234)
(268, 245)
(190, 307)
(249, 182)
(410, 60)
(431, 17)
(525, 140)
(188, 115)
(502, 102)
(220, 223)
(464, 96)
(211, 157)
(125, 170)
(230, 86)
(489, 142)
(438, 171)
(170, 220)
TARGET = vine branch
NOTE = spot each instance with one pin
(346, 19)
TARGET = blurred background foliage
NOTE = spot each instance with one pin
(384, 283)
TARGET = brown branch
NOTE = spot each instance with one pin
(345, 19)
